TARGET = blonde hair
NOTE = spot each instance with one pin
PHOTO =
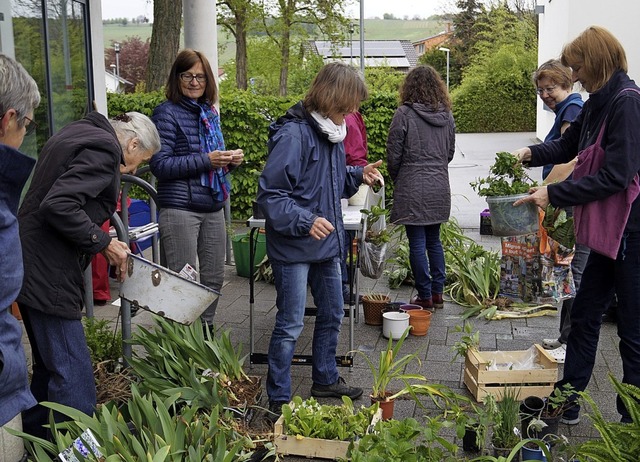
(598, 53)
(555, 71)
(338, 88)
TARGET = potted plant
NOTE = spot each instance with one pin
(505, 415)
(555, 405)
(506, 183)
(537, 448)
(476, 425)
(372, 305)
(470, 338)
(389, 367)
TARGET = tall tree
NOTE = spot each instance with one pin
(286, 19)
(236, 16)
(133, 56)
(464, 34)
(165, 41)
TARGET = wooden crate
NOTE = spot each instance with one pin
(311, 447)
(534, 382)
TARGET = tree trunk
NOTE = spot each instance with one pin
(284, 60)
(165, 41)
(241, 49)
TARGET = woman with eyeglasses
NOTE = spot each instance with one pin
(75, 187)
(604, 193)
(192, 169)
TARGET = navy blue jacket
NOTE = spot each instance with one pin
(304, 178)
(621, 143)
(179, 164)
(15, 396)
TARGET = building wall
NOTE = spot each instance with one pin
(563, 20)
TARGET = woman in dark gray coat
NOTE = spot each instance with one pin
(420, 146)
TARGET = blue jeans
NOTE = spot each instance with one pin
(199, 239)
(428, 268)
(291, 279)
(601, 278)
(62, 370)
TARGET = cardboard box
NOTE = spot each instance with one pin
(534, 382)
(312, 447)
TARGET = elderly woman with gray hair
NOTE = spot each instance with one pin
(18, 99)
(75, 188)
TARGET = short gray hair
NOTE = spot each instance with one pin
(134, 124)
(18, 90)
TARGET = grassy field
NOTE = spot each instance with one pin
(375, 29)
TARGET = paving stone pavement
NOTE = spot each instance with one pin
(474, 154)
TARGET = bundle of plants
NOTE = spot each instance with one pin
(473, 273)
(310, 419)
(205, 368)
(144, 429)
(559, 226)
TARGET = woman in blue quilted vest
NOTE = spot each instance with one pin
(192, 169)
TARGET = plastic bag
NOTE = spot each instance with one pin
(372, 254)
(510, 361)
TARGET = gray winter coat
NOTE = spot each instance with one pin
(420, 145)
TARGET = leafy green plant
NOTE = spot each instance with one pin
(401, 266)
(104, 342)
(559, 401)
(470, 338)
(148, 428)
(311, 419)
(406, 440)
(618, 441)
(558, 226)
(507, 177)
(373, 215)
(506, 419)
(390, 366)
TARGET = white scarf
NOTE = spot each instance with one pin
(336, 132)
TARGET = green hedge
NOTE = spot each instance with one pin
(246, 117)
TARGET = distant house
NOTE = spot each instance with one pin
(114, 83)
(423, 45)
(398, 54)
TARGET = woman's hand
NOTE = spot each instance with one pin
(371, 174)
(117, 254)
(538, 195)
(220, 159)
(523, 155)
(237, 156)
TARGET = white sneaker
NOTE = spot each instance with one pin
(559, 353)
(551, 343)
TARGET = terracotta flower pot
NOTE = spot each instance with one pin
(420, 320)
(386, 406)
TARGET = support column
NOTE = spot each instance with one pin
(200, 29)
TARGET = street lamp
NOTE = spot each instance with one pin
(116, 47)
(351, 31)
(446, 50)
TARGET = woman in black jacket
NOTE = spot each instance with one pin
(75, 187)
(603, 191)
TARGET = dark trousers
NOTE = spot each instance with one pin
(62, 370)
(601, 278)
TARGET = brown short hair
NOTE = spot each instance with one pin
(423, 84)
(185, 60)
(338, 88)
(555, 71)
(598, 53)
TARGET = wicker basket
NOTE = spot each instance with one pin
(373, 309)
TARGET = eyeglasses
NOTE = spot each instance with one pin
(547, 90)
(31, 127)
(188, 78)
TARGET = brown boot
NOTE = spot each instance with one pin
(425, 303)
(438, 303)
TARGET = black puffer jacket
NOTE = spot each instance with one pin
(74, 190)
(420, 145)
(179, 163)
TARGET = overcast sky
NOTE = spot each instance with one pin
(372, 8)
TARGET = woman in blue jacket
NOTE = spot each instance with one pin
(605, 204)
(192, 169)
(299, 193)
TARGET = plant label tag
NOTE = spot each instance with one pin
(188, 272)
(86, 444)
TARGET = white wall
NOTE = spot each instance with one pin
(563, 20)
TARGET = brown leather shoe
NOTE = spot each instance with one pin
(426, 304)
(438, 302)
